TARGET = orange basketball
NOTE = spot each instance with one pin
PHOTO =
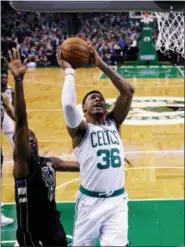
(75, 51)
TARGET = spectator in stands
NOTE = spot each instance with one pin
(41, 33)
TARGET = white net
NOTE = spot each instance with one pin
(171, 32)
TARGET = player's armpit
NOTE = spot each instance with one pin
(77, 134)
(22, 154)
(80, 130)
(121, 109)
(64, 166)
(20, 168)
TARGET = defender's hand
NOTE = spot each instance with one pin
(63, 64)
(16, 67)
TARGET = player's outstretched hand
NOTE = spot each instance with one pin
(63, 64)
(16, 67)
(94, 59)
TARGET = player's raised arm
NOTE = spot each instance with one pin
(75, 124)
(123, 102)
(22, 151)
(13, 98)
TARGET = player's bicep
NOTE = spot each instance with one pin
(22, 150)
(121, 109)
(73, 119)
(79, 130)
(20, 168)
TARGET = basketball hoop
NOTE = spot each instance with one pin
(171, 32)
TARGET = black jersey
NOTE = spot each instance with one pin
(35, 201)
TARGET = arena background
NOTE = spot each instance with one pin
(153, 132)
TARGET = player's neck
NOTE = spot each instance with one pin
(36, 156)
(95, 120)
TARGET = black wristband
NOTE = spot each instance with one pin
(18, 79)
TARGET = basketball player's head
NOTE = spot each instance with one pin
(4, 80)
(94, 104)
(33, 141)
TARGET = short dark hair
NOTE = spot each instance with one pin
(4, 71)
(91, 92)
(29, 130)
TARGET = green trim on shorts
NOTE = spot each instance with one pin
(101, 194)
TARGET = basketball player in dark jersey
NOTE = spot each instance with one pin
(37, 217)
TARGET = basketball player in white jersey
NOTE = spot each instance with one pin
(8, 124)
(7, 108)
(101, 205)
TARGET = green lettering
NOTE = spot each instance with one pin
(109, 158)
(111, 135)
(116, 136)
(99, 138)
(105, 157)
(104, 138)
(115, 158)
(92, 142)
(107, 134)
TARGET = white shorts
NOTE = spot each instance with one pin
(105, 219)
(8, 124)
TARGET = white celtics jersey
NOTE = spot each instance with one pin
(101, 158)
(8, 92)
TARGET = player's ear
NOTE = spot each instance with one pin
(84, 110)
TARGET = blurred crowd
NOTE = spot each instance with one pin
(114, 35)
(37, 34)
